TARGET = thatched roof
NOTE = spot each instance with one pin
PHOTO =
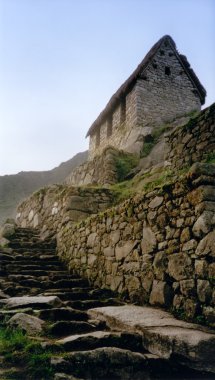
(126, 87)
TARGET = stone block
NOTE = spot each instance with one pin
(211, 272)
(185, 235)
(206, 246)
(180, 266)
(156, 202)
(189, 245)
(7, 230)
(132, 283)
(201, 268)
(36, 220)
(209, 314)
(190, 307)
(160, 265)
(188, 288)
(30, 215)
(161, 294)
(178, 302)
(91, 259)
(123, 249)
(131, 267)
(30, 324)
(204, 291)
(91, 240)
(149, 242)
(147, 281)
(109, 251)
(204, 223)
(115, 282)
(114, 237)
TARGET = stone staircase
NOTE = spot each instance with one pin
(38, 294)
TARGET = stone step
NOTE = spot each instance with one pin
(20, 236)
(103, 363)
(9, 313)
(41, 263)
(6, 257)
(14, 268)
(11, 373)
(37, 256)
(71, 295)
(92, 340)
(67, 283)
(30, 244)
(62, 314)
(93, 303)
(3, 272)
(18, 290)
(36, 302)
(163, 334)
(63, 328)
(3, 294)
(49, 277)
(36, 251)
(29, 262)
(39, 273)
(57, 277)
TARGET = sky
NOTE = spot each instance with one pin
(61, 61)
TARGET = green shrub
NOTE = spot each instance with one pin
(125, 162)
(210, 158)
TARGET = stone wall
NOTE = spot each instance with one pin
(194, 141)
(103, 170)
(155, 248)
(188, 143)
(53, 206)
(162, 93)
(120, 130)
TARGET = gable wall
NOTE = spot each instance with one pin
(163, 97)
(155, 99)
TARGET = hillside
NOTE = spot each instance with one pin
(14, 188)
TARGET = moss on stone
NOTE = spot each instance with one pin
(152, 140)
(125, 162)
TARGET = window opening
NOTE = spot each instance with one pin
(98, 138)
(109, 126)
(123, 111)
(167, 70)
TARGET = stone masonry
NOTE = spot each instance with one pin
(155, 248)
(161, 89)
(187, 144)
(58, 204)
(193, 142)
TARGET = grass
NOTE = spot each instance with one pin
(210, 158)
(125, 162)
(152, 140)
(140, 184)
(19, 350)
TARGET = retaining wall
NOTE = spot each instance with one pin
(155, 248)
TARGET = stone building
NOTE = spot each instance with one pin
(162, 88)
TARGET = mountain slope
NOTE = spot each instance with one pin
(14, 188)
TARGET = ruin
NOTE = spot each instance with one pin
(162, 88)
